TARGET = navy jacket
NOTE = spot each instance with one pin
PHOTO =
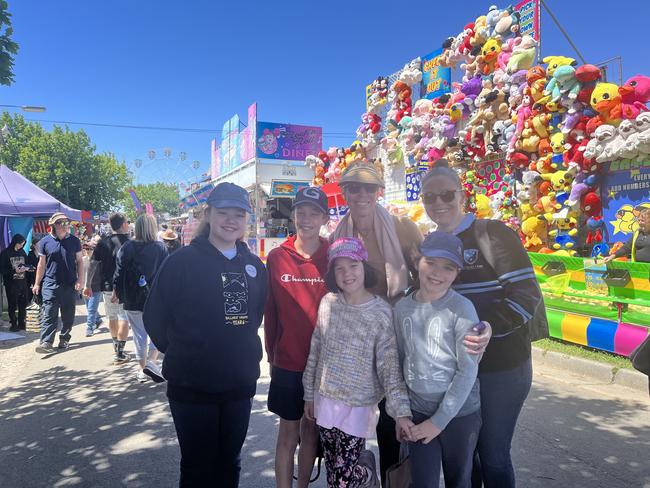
(133, 259)
(204, 312)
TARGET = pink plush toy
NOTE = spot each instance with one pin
(635, 93)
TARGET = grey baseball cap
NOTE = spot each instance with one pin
(312, 195)
(229, 195)
(443, 245)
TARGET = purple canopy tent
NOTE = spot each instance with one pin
(20, 198)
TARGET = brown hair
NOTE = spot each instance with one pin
(441, 169)
(369, 278)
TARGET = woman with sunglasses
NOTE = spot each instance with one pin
(498, 279)
(393, 249)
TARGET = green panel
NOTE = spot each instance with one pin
(554, 318)
(601, 311)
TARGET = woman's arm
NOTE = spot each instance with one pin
(159, 307)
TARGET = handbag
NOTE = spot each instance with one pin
(640, 357)
(399, 474)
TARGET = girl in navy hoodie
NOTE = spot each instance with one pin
(203, 312)
(296, 286)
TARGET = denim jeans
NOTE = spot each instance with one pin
(92, 306)
(140, 338)
(453, 449)
(211, 436)
(57, 298)
(502, 397)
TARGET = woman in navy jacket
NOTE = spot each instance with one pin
(203, 312)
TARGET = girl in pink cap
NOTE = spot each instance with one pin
(353, 363)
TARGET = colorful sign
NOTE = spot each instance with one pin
(286, 141)
(414, 176)
(288, 189)
(529, 18)
(436, 80)
(236, 145)
(625, 191)
(198, 197)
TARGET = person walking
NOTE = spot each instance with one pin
(296, 272)
(353, 363)
(440, 374)
(393, 248)
(499, 280)
(136, 266)
(203, 313)
(14, 268)
(102, 265)
(92, 290)
(170, 239)
(58, 280)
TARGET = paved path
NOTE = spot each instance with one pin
(74, 420)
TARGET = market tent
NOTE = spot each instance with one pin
(21, 197)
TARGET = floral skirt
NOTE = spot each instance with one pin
(341, 456)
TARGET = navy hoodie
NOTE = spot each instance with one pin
(203, 312)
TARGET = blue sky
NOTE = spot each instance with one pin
(194, 64)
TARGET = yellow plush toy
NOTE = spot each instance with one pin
(533, 228)
(483, 210)
(554, 62)
(489, 55)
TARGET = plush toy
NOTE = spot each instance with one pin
(564, 86)
(496, 204)
(536, 78)
(507, 25)
(411, 73)
(554, 62)
(319, 176)
(491, 19)
(489, 55)
(561, 184)
(532, 228)
(565, 230)
(601, 137)
(483, 208)
(635, 93)
(523, 55)
(559, 147)
(629, 148)
(606, 100)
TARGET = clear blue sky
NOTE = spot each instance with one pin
(194, 64)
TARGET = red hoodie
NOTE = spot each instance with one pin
(296, 286)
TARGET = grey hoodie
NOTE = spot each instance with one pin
(440, 374)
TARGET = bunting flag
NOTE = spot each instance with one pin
(136, 202)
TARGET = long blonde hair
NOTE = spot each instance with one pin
(146, 228)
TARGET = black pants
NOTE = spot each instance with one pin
(17, 298)
(211, 436)
(387, 441)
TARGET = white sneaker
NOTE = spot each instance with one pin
(153, 371)
(141, 377)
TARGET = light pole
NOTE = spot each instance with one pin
(26, 108)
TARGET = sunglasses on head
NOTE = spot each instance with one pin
(357, 187)
(62, 222)
(445, 196)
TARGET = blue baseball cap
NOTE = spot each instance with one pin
(229, 195)
(312, 195)
(443, 245)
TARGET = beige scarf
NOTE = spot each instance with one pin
(389, 246)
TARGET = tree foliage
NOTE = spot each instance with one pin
(65, 164)
(8, 48)
(163, 197)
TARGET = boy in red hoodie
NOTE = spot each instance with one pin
(296, 286)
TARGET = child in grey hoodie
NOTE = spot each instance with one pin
(440, 374)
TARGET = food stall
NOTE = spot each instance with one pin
(267, 159)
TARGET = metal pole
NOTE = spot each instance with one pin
(557, 22)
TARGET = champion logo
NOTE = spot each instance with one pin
(289, 278)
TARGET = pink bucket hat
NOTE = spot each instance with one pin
(347, 247)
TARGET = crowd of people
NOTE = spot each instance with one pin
(421, 340)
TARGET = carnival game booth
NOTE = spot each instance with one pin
(267, 159)
(542, 142)
(589, 303)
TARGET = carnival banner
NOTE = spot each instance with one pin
(436, 80)
(286, 141)
(136, 202)
(625, 191)
(198, 197)
(529, 18)
(282, 188)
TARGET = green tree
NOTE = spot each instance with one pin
(8, 48)
(163, 197)
(65, 164)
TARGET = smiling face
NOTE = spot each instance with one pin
(227, 225)
(361, 198)
(447, 214)
(309, 220)
(349, 275)
(436, 276)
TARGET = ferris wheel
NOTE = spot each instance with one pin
(166, 166)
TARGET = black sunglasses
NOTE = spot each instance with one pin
(445, 196)
(62, 222)
(357, 187)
